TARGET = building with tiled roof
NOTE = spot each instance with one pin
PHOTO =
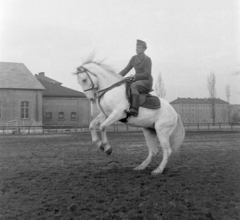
(17, 76)
(198, 110)
(26, 100)
(20, 95)
(41, 77)
(55, 89)
(61, 105)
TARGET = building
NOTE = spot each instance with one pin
(235, 113)
(20, 95)
(199, 110)
(63, 106)
(26, 100)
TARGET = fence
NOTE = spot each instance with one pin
(51, 129)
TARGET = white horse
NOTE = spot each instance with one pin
(162, 124)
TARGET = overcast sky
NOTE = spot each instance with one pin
(187, 39)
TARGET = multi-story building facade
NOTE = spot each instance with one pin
(200, 110)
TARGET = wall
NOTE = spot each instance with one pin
(67, 105)
(11, 106)
(201, 113)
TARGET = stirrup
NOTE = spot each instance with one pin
(133, 112)
(128, 114)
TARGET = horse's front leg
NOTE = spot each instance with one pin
(92, 127)
(105, 144)
(115, 116)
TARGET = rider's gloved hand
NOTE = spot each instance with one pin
(130, 79)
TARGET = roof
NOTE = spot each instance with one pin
(17, 76)
(42, 76)
(196, 101)
(56, 90)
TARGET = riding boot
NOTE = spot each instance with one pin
(134, 105)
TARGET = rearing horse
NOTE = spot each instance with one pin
(162, 124)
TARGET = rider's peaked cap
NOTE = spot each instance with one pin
(141, 43)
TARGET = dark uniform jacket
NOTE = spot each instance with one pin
(143, 67)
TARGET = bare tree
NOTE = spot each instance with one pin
(159, 87)
(227, 89)
(213, 94)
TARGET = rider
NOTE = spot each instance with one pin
(142, 80)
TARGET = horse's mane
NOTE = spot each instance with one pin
(91, 59)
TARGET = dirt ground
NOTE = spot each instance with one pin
(63, 176)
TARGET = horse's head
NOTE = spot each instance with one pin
(88, 81)
(94, 76)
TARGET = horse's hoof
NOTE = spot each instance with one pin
(102, 147)
(138, 168)
(109, 151)
(155, 173)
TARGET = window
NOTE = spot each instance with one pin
(48, 115)
(25, 110)
(0, 109)
(73, 116)
(61, 116)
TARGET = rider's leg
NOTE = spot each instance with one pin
(141, 86)
(134, 99)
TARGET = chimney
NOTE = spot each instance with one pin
(41, 74)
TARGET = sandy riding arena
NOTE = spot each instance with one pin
(64, 176)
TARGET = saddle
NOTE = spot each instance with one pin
(146, 100)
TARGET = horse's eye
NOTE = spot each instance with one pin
(79, 69)
(84, 80)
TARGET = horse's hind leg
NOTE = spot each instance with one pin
(152, 143)
(163, 134)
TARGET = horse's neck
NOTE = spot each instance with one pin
(107, 82)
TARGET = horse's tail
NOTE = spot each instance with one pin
(177, 136)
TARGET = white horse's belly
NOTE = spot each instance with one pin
(146, 118)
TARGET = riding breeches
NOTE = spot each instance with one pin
(141, 86)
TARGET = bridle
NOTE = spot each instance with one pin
(100, 93)
(84, 70)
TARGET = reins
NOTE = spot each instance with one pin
(103, 91)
